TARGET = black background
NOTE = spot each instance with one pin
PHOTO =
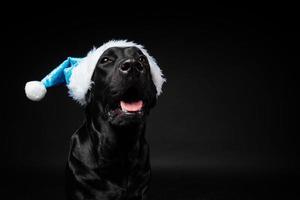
(224, 127)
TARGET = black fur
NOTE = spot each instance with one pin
(109, 156)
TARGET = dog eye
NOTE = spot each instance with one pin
(105, 60)
(142, 59)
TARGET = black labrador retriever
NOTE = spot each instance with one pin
(109, 156)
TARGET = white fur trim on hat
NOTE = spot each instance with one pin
(80, 80)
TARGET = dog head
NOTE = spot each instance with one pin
(123, 91)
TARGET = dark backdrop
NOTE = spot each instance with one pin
(224, 127)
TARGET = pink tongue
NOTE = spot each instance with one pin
(132, 106)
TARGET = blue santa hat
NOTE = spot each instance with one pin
(76, 73)
(36, 90)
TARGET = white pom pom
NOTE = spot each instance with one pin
(35, 90)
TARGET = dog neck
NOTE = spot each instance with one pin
(123, 139)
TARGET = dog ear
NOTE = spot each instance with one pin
(153, 98)
(89, 95)
(153, 102)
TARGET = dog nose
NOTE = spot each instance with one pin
(131, 64)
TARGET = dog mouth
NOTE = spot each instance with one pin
(129, 103)
(135, 106)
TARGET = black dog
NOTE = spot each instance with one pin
(109, 156)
